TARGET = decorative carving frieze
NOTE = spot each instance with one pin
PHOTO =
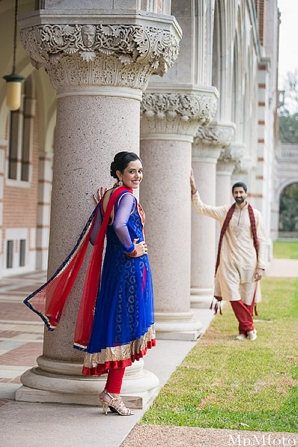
(176, 113)
(243, 166)
(229, 157)
(225, 156)
(219, 136)
(225, 162)
(210, 140)
(100, 54)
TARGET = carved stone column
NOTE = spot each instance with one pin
(225, 166)
(224, 169)
(207, 147)
(99, 63)
(169, 121)
(243, 166)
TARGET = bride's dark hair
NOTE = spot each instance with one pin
(121, 161)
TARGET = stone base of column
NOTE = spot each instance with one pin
(45, 385)
(201, 298)
(177, 326)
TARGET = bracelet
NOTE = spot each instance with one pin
(193, 193)
(132, 254)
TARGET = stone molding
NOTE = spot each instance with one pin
(243, 166)
(177, 326)
(225, 163)
(237, 150)
(219, 135)
(229, 157)
(62, 382)
(100, 54)
(210, 140)
(177, 113)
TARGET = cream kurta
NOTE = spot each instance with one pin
(238, 261)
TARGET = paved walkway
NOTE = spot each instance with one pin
(283, 268)
(30, 424)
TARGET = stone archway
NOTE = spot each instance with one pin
(288, 211)
(286, 173)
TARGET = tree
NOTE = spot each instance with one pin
(288, 209)
(288, 110)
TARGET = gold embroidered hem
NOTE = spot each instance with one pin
(119, 356)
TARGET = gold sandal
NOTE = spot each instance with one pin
(116, 405)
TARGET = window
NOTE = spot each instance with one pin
(13, 146)
(26, 140)
(20, 137)
(9, 254)
(17, 251)
(22, 253)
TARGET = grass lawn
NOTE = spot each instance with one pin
(225, 383)
(285, 249)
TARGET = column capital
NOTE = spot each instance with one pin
(100, 50)
(210, 140)
(177, 112)
(243, 162)
(229, 157)
(243, 166)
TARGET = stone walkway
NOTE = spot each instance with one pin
(33, 424)
(21, 331)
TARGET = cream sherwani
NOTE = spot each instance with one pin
(234, 279)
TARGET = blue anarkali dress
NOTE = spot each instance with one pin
(115, 321)
(123, 325)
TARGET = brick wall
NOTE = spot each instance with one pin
(261, 15)
(20, 199)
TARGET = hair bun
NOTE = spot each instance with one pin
(113, 170)
(121, 161)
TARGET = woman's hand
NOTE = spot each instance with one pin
(98, 196)
(139, 250)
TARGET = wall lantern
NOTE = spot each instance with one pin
(14, 87)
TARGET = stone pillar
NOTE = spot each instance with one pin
(99, 64)
(207, 147)
(224, 169)
(243, 167)
(169, 121)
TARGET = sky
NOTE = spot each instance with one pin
(288, 48)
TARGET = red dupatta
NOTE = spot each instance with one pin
(49, 300)
(217, 304)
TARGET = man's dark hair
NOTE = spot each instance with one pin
(239, 185)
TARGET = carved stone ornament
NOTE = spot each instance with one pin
(232, 153)
(225, 156)
(219, 136)
(89, 48)
(226, 161)
(243, 166)
(167, 112)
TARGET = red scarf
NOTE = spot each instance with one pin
(226, 224)
(49, 300)
(224, 227)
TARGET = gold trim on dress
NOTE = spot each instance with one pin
(122, 352)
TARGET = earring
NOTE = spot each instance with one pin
(120, 182)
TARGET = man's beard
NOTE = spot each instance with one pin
(239, 200)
